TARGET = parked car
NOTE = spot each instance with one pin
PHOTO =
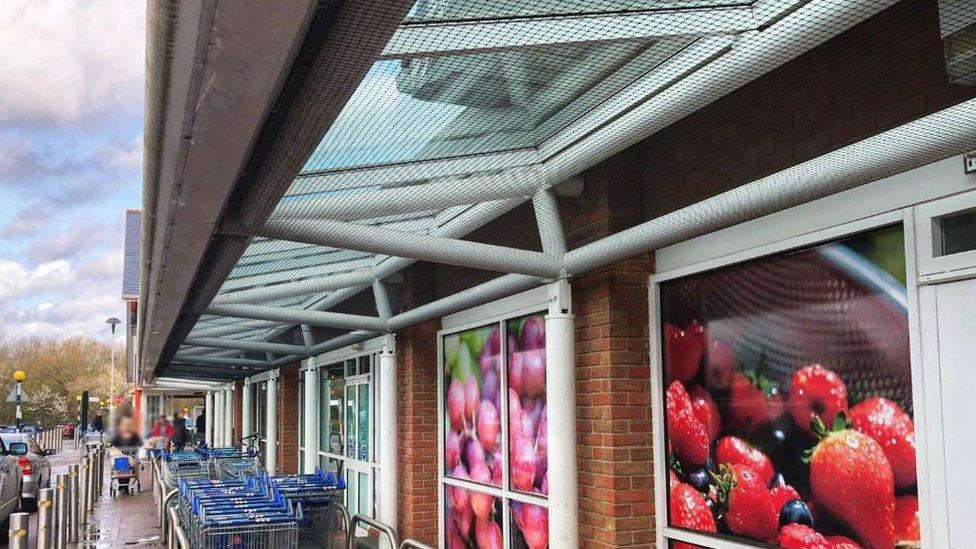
(24, 451)
(67, 430)
(10, 490)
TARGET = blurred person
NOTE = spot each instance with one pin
(97, 423)
(179, 435)
(201, 426)
(125, 442)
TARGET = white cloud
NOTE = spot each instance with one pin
(20, 282)
(78, 58)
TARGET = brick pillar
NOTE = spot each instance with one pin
(417, 437)
(614, 406)
(288, 419)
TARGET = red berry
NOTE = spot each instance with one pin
(688, 509)
(719, 366)
(535, 526)
(907, 527)
(472, 397)
(735, 451)
(481, 503)
(682, 353)
(455, 404)
(889, 425)
(752, 406)
(523, 464)
(514, 416)
(533, 372)
(851, 479)
(687, 435)
(841, 542)
(489, 426)
(750, 505)
(783, 493)
(488, 534)
(816, 392)
(706, 411)
(801, 536)
(452, 449)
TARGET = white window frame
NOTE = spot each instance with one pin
(531, 302)
(893, 200)
(372, 348)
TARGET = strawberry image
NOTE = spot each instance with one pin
(706, 411)
(686, 434)
(907, 530)
(851, 479)
(783, 493)
(889, 425)
(754, 401)
(683, 352)
(841, 542)
(801, 536)
(719, 365)
(735, 451)
(816, 392)
(689, 509)
(749, 505)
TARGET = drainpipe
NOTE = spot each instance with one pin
(271, 425)
(388, 482)
(561, 418)
(310, 437)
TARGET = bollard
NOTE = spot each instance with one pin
(100, 456)
(19, 525)
(61, 513)
(74, 501)
(45, 518)
(92, 475)
(83, 500)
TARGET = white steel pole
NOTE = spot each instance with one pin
(561, 418)
(271, 425)
(208, 418)
(228, 416)
(388, 482)
(246, 428)
(218, 417)
(310, 438)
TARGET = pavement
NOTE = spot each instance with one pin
(124, 521)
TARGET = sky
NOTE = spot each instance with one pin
(71, 109)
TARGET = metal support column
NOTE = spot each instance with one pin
(387, 486)
(229, 416)
(561, 417)
(271, 425)
(246, 428)
(45, 518)
(218, 427)
(310, 438)
(208, 418)
(74, 503)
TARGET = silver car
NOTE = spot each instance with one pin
(24, 452)
(10, 479)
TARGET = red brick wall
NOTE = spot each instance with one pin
(417, 436)
(885, 72)
(288, 420)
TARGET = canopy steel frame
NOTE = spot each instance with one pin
(244, 345)
(323, 319)
(422, 40)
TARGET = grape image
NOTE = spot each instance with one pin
(528, 442)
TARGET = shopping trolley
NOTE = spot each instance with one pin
(230, 462)
(237, 514)
(125, 472)
(324, 520)
(183, 465)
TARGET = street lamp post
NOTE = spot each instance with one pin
(19, 377)
(113, 322)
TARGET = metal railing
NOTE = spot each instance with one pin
(372, 523)
(176, 536)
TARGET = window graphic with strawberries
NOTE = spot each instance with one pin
(478, 371)
(788, 402)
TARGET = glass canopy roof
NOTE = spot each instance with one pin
(460, 10)
(469, 96)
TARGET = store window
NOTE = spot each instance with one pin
(349, 396)
(788, 397)
(494, 443)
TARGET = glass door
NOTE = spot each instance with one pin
(359, 451)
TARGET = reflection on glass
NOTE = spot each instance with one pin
(364, 364)
(472, 422)
(526, 345)
(530, 526)
(364, 437)
(768, 359)
(364, 506)
(462, 10)
(331, 419)
(472, 519)
(453, 105)
(351, 442)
